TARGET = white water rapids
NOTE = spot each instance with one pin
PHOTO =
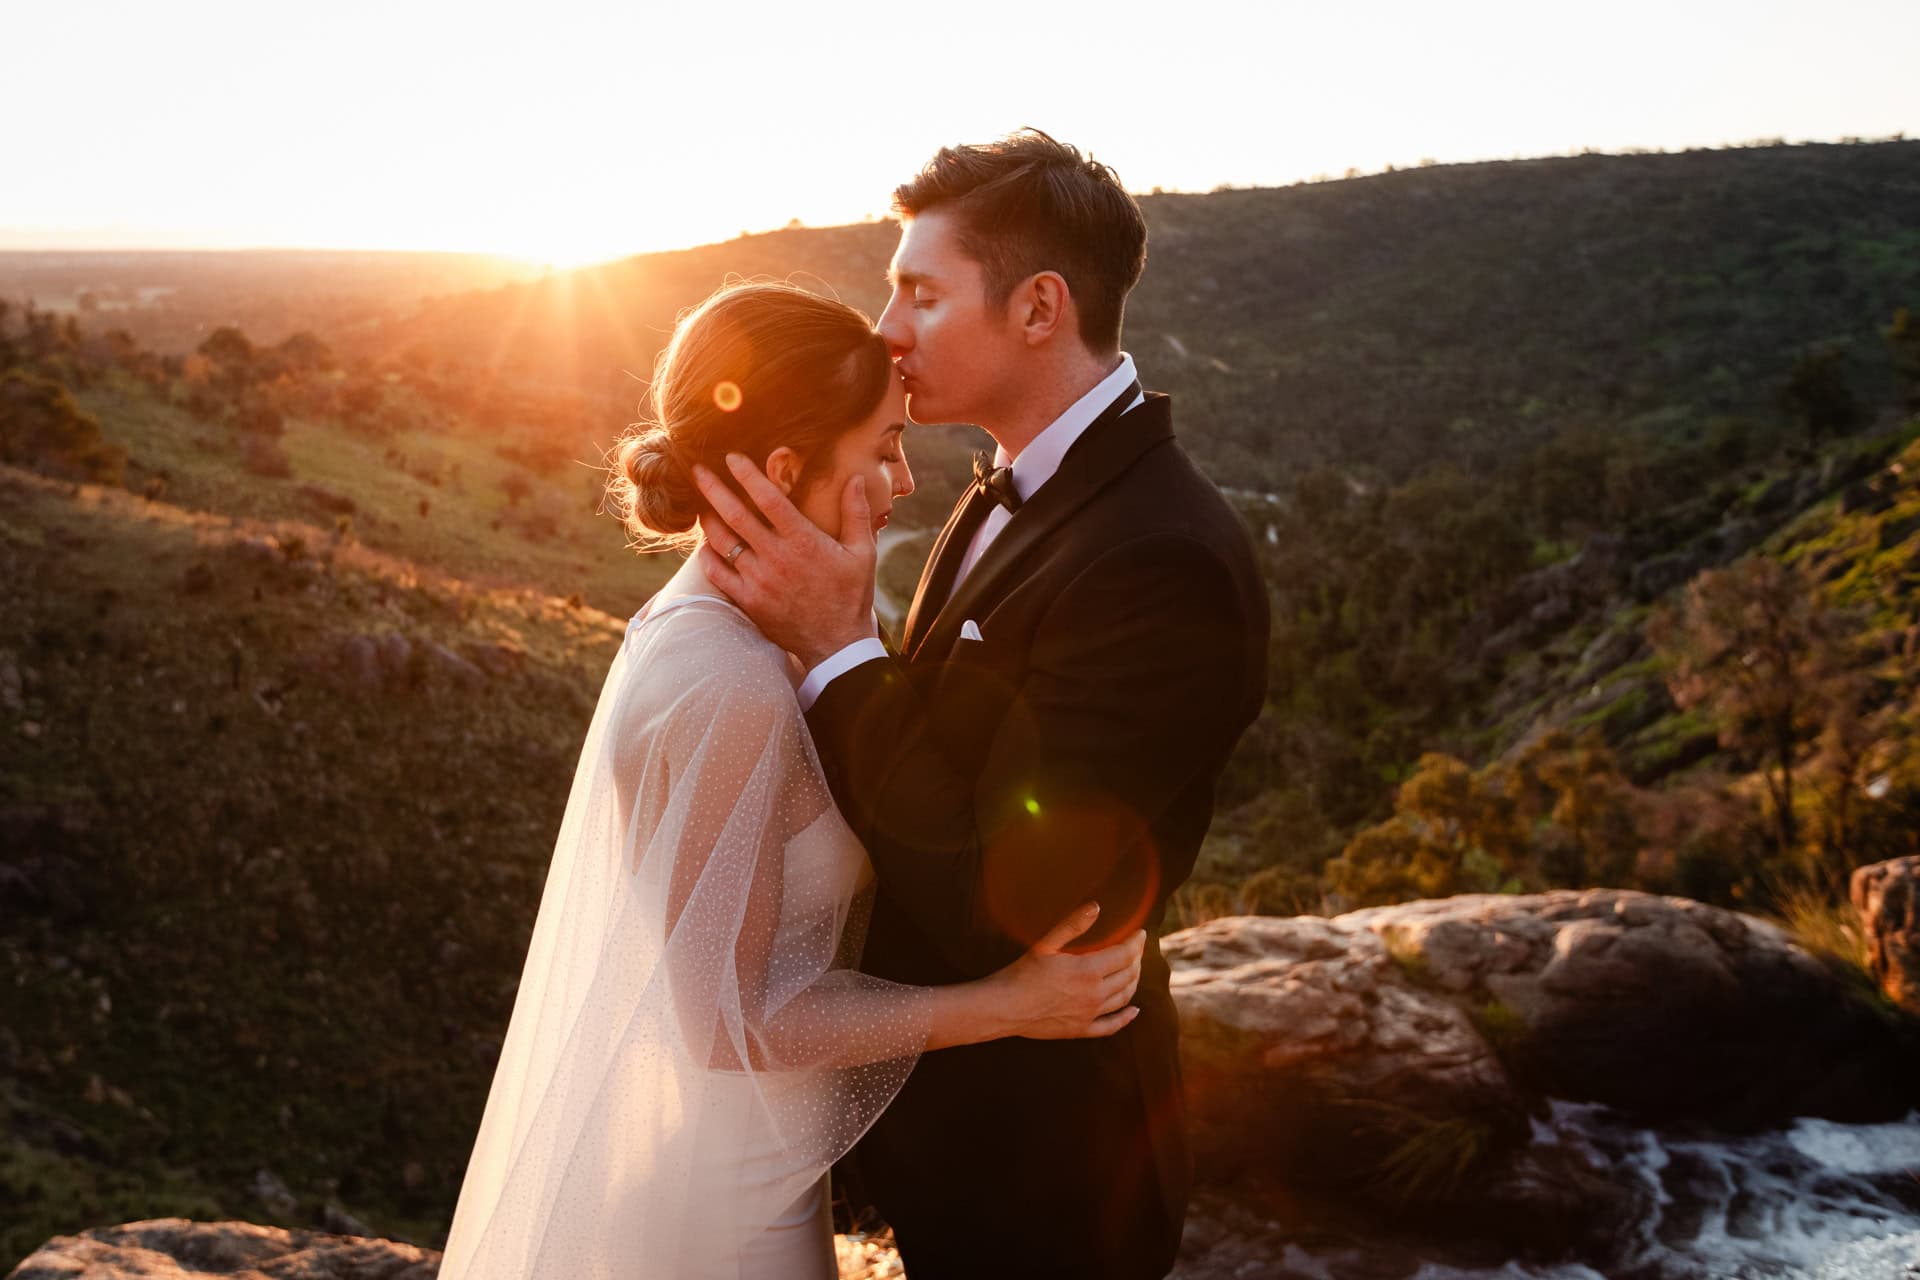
(1818, 1200)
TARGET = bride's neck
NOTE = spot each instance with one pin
(690, 580)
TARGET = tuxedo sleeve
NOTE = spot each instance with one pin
(1131, 696)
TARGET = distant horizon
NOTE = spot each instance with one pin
(578, 132)
(29, 240)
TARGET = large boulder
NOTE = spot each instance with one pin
(1887, 895)
(1308, 1052)
(1399, 1048)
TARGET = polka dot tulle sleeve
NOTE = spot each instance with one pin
(690, 1047)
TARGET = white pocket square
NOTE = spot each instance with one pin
(970, 630)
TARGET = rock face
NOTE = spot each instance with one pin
(162, 1248)
(1887, 895)
(1413, 1035)
(1374, 1083)
(1301, 1041)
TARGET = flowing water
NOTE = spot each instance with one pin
(1819, 1200)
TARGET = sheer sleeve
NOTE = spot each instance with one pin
(690, 1047)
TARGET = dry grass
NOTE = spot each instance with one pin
(1825, 928)
(1831, 932)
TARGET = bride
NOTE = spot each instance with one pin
(691, 1046)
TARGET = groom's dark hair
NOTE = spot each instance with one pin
(1028, 204)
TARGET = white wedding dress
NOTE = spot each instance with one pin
(690, 1047)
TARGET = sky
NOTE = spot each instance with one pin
(564, 132)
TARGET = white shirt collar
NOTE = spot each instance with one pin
(1041, 458)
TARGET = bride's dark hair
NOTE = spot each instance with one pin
(753, 367)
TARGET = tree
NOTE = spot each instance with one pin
(232, 358)
(227, 346)
(41, 426)
(305, 353)
(1842, 758)
(1816, 395)
(1453, 832)
(1753, 646)
(1903, 339)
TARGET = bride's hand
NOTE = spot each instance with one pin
(1052, 994)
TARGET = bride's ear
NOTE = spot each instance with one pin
(783, 468)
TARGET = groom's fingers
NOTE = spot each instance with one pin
(744, 525)
(719, 534)
(774, 505)
(721, 574)
(856, 518)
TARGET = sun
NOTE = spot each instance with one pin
(562, 241)
(568, 257)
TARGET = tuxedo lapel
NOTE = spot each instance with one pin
(1096, 459)
(936, 579)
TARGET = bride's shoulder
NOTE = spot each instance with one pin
(714, 655)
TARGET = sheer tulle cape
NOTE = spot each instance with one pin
(690, 1047)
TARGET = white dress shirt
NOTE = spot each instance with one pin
(1033, 468)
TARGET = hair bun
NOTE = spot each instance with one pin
(658, 495)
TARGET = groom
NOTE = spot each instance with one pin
(1087, 643)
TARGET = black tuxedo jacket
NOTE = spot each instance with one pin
(1069, 753)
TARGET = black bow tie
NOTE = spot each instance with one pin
(995, 482)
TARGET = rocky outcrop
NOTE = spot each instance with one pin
(1371, 1089)
(1393, 1065)
(164, 1248)
(1396, 1050)
(176, 1248)
(1887, 896)
(1302, 1041)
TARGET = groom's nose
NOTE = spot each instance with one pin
(894, 328)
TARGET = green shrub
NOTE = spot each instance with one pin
(41, 427)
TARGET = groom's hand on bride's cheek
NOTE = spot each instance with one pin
(810, 593)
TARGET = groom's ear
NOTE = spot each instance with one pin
(783, 468)
(1042, 303)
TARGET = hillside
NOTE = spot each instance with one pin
(277, 811)
(1380, 324)
(302, 634)
(170, 299)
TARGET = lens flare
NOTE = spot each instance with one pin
(1050, 855)
(726, 396)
